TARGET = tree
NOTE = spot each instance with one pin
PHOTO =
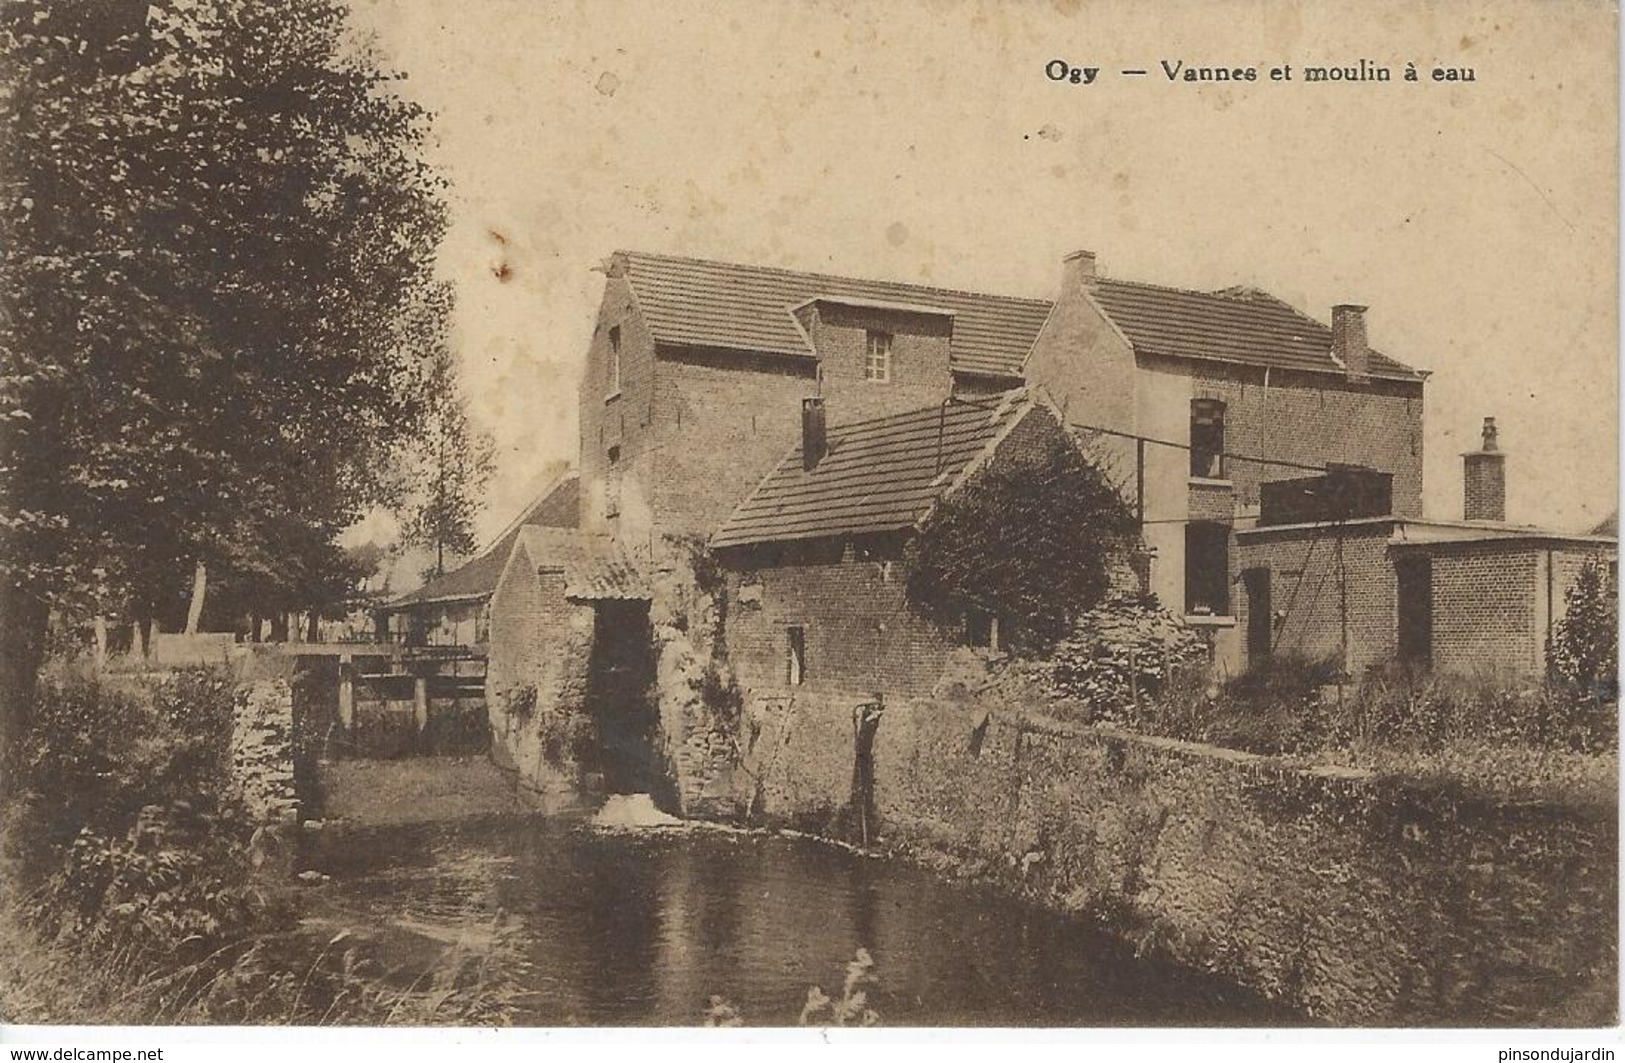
(218, 310)
(453, 466)
(1584, 651)
(1032, 539)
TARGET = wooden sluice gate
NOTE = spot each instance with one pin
(389, 701)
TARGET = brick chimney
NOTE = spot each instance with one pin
(1485, 479)
(1077, 271)
(814, 436)
(1348, 340)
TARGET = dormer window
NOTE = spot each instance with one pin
(877, 358)
(615, 359)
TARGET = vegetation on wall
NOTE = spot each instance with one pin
(1030, 541)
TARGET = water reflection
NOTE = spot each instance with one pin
(633, 930)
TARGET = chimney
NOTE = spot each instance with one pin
(1077, 271)
(1348, 340)
(1485, 479)
(814, 439)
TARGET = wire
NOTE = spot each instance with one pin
(1229, 455)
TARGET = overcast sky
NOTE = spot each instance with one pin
(923, 142)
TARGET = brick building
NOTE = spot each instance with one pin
(1226, 392)
(800, 424)
(1472, 595)
(569, 624)
(815, 591)
(696, 372)
(453, 609)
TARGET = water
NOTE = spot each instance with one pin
(642, 929)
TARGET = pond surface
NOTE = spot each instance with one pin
(644, 928)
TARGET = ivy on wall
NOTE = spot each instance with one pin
(1030, 540)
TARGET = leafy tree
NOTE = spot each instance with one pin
(1032, 539)
(453, 466)
(217, 238)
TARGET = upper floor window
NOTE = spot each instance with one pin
(1207, 438)
(614, 359)
(877, 359)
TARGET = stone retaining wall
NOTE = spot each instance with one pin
(1351, 898)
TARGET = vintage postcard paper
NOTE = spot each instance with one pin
(929, 514)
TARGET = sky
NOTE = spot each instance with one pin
(922, 141)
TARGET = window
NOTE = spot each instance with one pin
(615, 360)
(983, 630)
(796, 656)
(877, 359)
(1207, 569)
(1207, 438)
(612, 484)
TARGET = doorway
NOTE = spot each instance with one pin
(1260, 618)
(621, 700)
(1415, 591)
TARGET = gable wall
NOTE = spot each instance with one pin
(610, 418)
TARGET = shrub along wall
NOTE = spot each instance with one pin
(1350, 897)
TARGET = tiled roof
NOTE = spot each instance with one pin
(559, 507)
(1237, 325)
(879, 475)
(700, 303)
(716, 304)
(594, 566)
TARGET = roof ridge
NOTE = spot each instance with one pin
(784, 271)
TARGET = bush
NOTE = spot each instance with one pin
(1121, 653)
(100, 749)
(172, 889)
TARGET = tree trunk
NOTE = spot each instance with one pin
(143, 638)
(200, 584)
(101, 641)
(279, 627)
(312, 632)
(23, 622)
(258, 630)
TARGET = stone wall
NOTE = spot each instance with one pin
(262, 750)
(1353, 899)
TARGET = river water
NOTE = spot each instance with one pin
(644, 928)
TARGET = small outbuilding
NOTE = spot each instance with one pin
(1478, 594)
